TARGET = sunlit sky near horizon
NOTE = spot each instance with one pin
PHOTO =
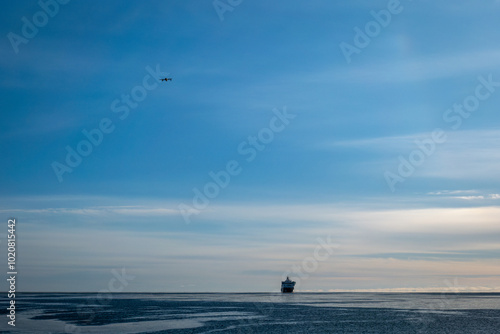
(313, 141)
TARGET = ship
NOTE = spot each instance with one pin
(287, 285)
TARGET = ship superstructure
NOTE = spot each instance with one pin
(287, 285)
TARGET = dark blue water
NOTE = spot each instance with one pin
(255, 313)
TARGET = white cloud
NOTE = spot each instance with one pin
(464, 195)
(469, 198)
(452, 192)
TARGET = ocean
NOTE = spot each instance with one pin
(254, 313)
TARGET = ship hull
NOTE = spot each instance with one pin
(287, 290)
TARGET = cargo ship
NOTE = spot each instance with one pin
(287, 285)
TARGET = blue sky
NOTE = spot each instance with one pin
(321, 175)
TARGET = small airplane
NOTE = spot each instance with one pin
(166, 79)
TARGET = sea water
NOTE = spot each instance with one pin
(254, 313)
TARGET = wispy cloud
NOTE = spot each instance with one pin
(469, 198)
(265, 240)
(468, 154)
(416, 69)
(452, 192)
(468, 195)
(100, 211)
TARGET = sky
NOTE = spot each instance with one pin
(352, 145)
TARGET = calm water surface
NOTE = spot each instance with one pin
(255, 313)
